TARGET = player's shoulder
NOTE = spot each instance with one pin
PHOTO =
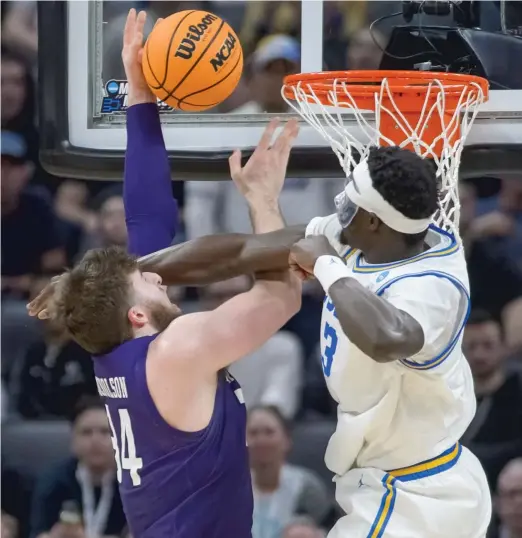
(179, 341)
(434, 288)
(323, 225)
(330, 227)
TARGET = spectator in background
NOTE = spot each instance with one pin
(495, 434)
(56, 373)
(265, 18)
(275, 57)
(18, 102)
(281, 490)
(341, 20)
(501, 217)
(364, 52)
(509, 501)
(302, 527)
(76, 219)
(71, 202)
(271, 375)
(31, 245)
(488, 263)
(9, 526)
(109, 228)
(15, 503)
(316, 397)
(20, 29)
(86, 481)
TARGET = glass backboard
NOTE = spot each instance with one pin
(84, 90)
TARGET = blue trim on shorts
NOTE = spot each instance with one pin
(437, 465)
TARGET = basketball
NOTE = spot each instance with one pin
(192, 60)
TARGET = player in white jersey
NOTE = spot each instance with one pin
(397, 299)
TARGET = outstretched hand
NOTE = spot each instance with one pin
(43, 305)
(132, 56)
(263, 175)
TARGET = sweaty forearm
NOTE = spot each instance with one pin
(376, 327)
(220, 257)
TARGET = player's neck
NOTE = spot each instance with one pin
(266, 479)
(147, 330)
(487, 385)
(392, 252)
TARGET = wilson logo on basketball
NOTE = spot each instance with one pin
(194, 35)
(224, 52)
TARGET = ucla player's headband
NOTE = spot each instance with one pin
(359, 192)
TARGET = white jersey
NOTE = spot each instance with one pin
(398, 414)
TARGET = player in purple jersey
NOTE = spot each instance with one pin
(177, 417)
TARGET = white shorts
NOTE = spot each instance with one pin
(446, 497)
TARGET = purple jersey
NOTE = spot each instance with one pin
(175, 484)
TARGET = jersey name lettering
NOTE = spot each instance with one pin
(112, 387)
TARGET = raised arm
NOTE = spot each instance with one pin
(151, 212)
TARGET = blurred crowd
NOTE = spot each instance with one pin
(57, 456)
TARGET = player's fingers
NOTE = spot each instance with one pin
(37, 301)
(140, 22)
(36, 306)
(44, 314)
(130, 23)
(138, 29)
(234, 162)
(158, 21)
(268, 134)
(298, 271)
(138, 41)
(285, 140)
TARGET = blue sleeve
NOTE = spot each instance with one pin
(151, 212)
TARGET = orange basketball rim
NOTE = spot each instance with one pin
(410, 106)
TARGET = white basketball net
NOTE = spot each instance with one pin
(331, 125)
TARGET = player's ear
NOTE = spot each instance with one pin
(373, 222)
(137, 317)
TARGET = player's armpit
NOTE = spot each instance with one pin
(209, 341)
(219, 257)
(379, 329)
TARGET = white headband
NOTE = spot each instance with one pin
(369, 199)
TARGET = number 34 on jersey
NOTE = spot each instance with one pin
(125, 448)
